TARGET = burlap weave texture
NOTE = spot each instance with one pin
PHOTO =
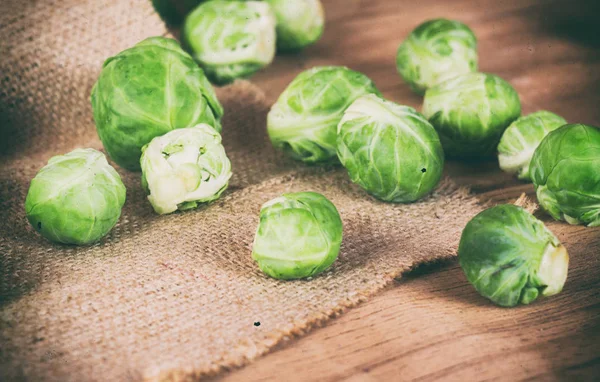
(165, 297)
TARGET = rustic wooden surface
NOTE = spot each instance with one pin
(432, 324)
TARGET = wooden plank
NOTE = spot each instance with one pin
(432, 324)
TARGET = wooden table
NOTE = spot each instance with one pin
(432, 324)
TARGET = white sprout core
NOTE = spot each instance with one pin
(554, 268)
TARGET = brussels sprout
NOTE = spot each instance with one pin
(435, 51)
(303, 122)
(470, 113)
(522, 137)
(174, 11)
(299, 235)
(390, 150)
(299, 23)
(146, 91)
(185, 167)
(510, 257)
(565, 170)
(231, 39)
(76, 198)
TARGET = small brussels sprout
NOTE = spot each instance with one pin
(522, 137)
(510, 257)
(299, 23)
(76, 198)
(565, 170)
(435, 51)
(231, 39)
(299, 235)
(183, 168)
(146, 91)
(470, 112)
(303, 122)
(390, 150)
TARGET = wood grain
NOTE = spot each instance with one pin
(432, 324)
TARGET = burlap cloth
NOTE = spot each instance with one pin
(178, 296)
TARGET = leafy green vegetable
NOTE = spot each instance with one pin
(565, 170)
(510, 257)
(522, 137)
(299, 235)
(470, 113)
(303, 122)
(147, 91)
(76, 198)
(185, 167)
(435, 51)
(390, 150)
(231, 39)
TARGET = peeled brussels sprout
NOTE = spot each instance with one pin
(146, 91)
(303, 122)
(565, 170)
(299, 23)
(510, 257)
(390, 150)
(231, 39)
(522, 137)
(299, 235)
(183, 168)
(435, 51)
(470, 113)
(76, 198)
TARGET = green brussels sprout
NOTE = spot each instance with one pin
(303, 122)
(565, 170)
(146, 91)
(522, 137)
(299, 235)
(435, 51)
(390, 150)
(184, 167)
(299, 23)
(76, 198)
(174, 11)
(510, 257)
(470, 112)
(231, 39)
